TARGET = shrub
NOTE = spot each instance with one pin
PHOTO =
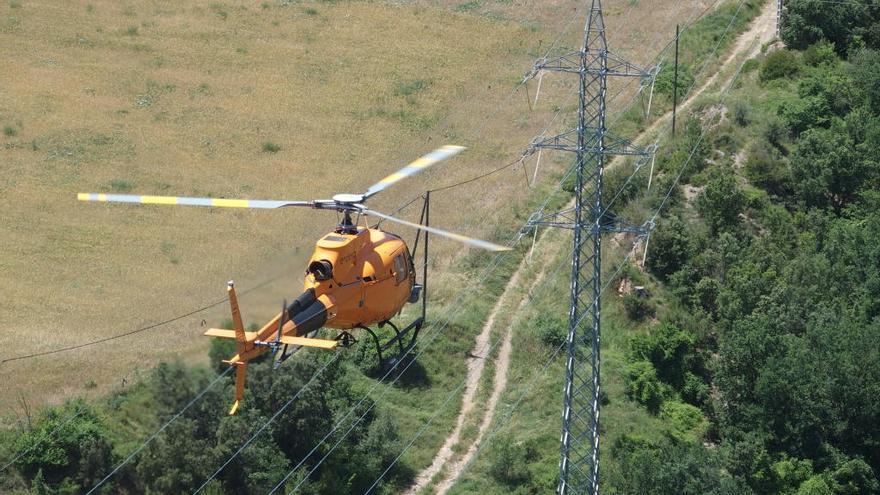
(669, 350)
(9, 131)
(551, 330)
(666, 79)
(865, 74)
(750, 65)
(411, 87)
(670, 247)
(721, 202)
(765, 168)
(637, 307)
(74, 453)
(741, 114)
(644, 386)
(820, 53)
(685, 421)
(779, 64)
(270, 147)
(508, 461)
(464, 7)
(121, 186)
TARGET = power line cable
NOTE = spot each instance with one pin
(80, 410)
(608, 282)
(160, 430)
(418, 434)
(486, 352)
(269, 421)
(138, 330)
(432, 338)
(331, 450)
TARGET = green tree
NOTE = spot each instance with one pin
(865, 76)
(722, 201)
(66, 449)
(669, 350)
(779, 64)
(815, 486)
(670, 247)
(826, 171)
(508, 461)
(644, 386)
(845, 24)
(765, 168)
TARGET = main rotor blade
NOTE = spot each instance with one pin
(422, 163)
(187, 201)
(456, 237)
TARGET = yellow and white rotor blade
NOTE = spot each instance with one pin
(422, 163)
(456, 237)
(188, 201)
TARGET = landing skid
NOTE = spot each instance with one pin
(410, 333)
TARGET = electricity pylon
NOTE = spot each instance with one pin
(591, 142)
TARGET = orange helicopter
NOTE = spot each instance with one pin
(358, 275)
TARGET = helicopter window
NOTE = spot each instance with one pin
(400, 267)
(409, 261)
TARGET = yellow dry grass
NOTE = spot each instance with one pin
(178, 98)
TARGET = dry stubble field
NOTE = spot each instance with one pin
(180, 98)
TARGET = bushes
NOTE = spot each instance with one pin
(508, 461)
(69, 454)
(865, 74)
(779, 64)
(637, 307)
(721, 202)
(670, 247)
(766, 168)
(644, 386)
(666, 78)
(846, 25)
(825, 170)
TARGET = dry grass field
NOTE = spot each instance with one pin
(242, 99)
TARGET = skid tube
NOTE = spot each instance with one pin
(398, 339)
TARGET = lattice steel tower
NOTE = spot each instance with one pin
(591, 142)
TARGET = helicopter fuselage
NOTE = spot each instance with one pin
(362, 278)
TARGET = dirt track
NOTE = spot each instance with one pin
(762, 30)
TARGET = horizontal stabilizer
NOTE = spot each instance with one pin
(307, 342)
(228, 334)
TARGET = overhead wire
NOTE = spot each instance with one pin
(339, 441)
(657, 212)
(454, 391)
(137, 330)
(433, 336)
(48, 435)
(547, 364)
(193, 312)
(165, 322)
(160, 430)
(399, 208)
(269, 421)
(486, 351)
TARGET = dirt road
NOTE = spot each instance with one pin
(762, 30)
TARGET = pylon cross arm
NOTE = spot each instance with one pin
(594, 62)
(612, 144)
(566, 219)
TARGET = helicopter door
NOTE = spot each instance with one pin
(401, 269)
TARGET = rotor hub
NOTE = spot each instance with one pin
(348, 198)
